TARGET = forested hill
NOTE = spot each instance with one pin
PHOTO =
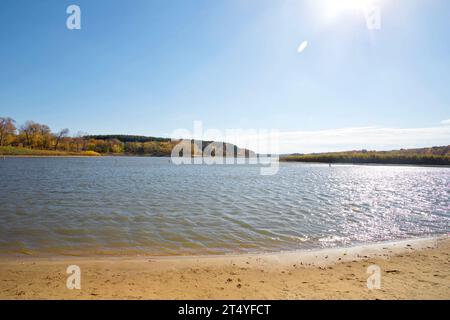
(423, 156)
(126, 138)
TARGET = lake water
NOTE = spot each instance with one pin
(132, 205)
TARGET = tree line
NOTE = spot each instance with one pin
(34, 136)
(420, 156)
(37, 136)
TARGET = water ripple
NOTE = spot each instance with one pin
(149, 206)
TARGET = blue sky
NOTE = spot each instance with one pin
(149, 67)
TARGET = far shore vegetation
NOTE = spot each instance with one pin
(35, 139)
(421, 156)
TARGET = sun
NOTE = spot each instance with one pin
(333, 8)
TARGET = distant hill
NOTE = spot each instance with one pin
(422, 156)
(126, 138)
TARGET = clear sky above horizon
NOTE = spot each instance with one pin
(150, 67)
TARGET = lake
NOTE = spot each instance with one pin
(149, 206)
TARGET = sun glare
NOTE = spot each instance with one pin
(333, 8)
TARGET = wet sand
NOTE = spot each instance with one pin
(414, 269)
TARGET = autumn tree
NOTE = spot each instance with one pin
(29, 132)
(7, 130)
(35, 135)
(44, 136)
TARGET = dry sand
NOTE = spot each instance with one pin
(415, 269)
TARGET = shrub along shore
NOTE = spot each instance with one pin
(25, 152)
(422, 156)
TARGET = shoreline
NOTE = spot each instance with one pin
(410, 269)
(369, 164)
(281, 160)
(48, 156)
(286, 255)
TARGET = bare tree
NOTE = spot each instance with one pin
(63, 133)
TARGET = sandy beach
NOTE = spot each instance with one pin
(415, 269)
